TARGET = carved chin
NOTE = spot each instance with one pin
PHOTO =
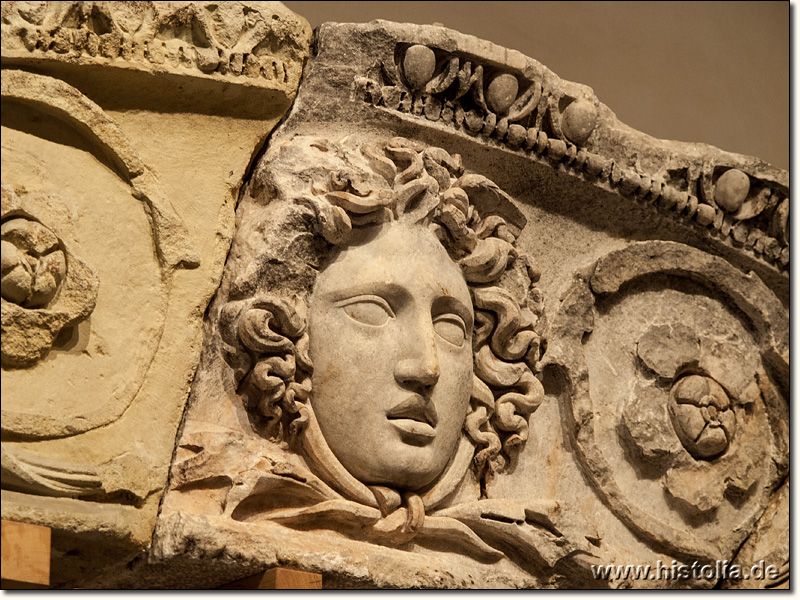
(405, 469)
(396, 471)
(400, 465)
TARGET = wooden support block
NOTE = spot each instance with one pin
(290, 579)
(278, 579)
(25, 556)
(248, 583)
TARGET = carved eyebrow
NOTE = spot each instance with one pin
(451, 304)
(394, 294)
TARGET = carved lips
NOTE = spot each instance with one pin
(382, 361)
(416, 416)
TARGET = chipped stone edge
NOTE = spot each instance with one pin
(576, 317)
(693, 201)
(64, 32)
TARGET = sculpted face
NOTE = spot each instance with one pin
(391, 342)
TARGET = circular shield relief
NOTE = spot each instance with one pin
(676, 370)
(89, 245)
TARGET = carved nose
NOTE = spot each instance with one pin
(420, 369)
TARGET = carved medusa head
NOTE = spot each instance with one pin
(396, 318)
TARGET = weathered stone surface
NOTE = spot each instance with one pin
(731, 190)
(664, 349)
(472, 331)
(501, 92)
(702, 416)
(721, 465)
(579, 120)
(623, 402)
(432, 298)
(35, 262)
(258, 44)
(117, 215)
(418, 65)
(767, 543)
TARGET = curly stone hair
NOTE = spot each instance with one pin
(353, 186)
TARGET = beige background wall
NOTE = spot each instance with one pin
(714, 72)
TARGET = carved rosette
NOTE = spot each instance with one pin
(45, 287)
(675, 369)
(35, 265)
(719, 450)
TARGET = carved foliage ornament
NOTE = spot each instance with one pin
(236, 40)
(554, 121)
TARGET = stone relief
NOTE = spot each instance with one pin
(45, 288)
(50, 296)
(683, 404)
(389, 378)
(402, 263)
(115, 229)
(529, 109)
(392, 391)
(236, 40)
(29, 332)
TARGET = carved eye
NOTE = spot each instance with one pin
(369, 310)
(451, 328)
